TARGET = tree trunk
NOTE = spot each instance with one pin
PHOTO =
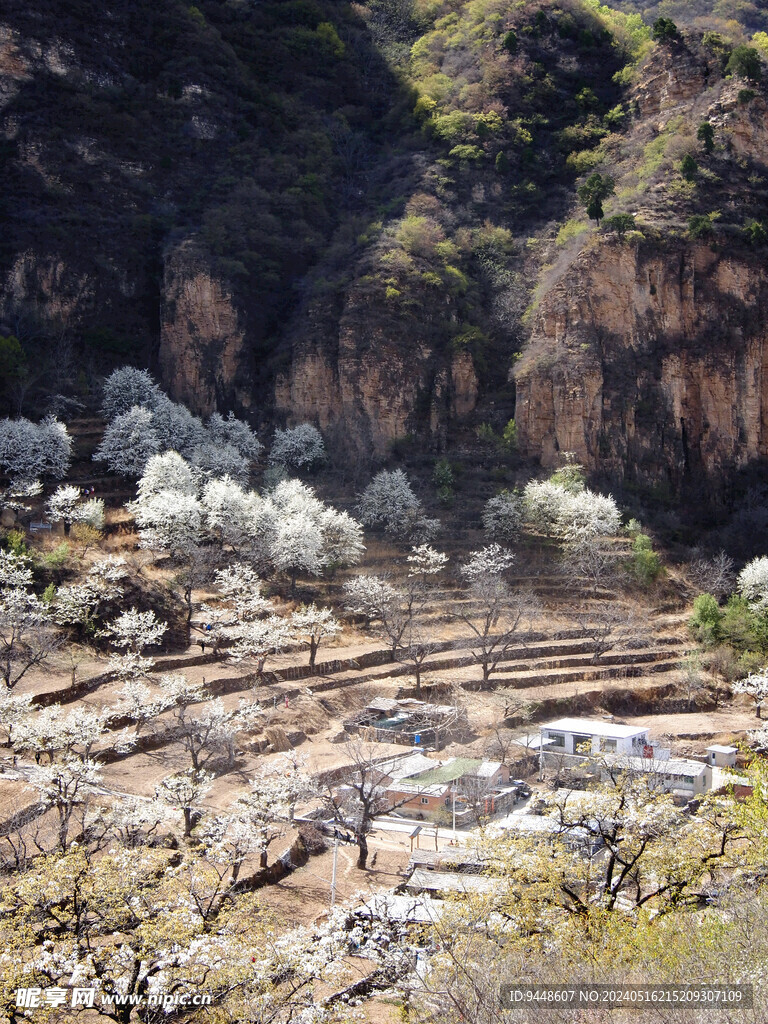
(313, 645)
(187, 821)
(263, 859)
(63, 828)
(362, 852)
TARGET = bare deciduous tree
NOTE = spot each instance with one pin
(355, 804)
(591, 562)
(714, 576)
(609, 628)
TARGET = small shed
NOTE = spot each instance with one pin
(721, 756)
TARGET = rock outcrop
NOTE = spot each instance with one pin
(650, 365)
(377, 380)
(202, 355)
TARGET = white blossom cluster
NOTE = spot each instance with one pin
(568, 514)
(31, 450)
(287, 530)
(26, 638)
(753, 582)
(144, 422)
(297, 447)
(66, 505)
(503, 516)
(388, 502)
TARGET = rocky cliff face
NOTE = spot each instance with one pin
(650, 365)
(376, 381)
(649, 357)
(202, 357)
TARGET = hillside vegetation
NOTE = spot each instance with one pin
(267, 203)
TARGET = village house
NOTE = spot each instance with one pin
(585, 737)
(677, 775)
(471, 784)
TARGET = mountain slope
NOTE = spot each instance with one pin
(366, 215)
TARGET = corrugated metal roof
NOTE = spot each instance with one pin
(449, 771)
(389, 906)
(449, 881)
(404, 766)
(383, 704)
(674, 766)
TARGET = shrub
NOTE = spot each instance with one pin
(330, 41)
(15, 542)
(595, 189)
(665, 30)
(509, 436)
(510, 41)
(487, 435)
(705, 133)
(614, 116)
(442, 475)
(715, 43)
(646, 564)
(57, 558)
(745, 62)
(701, 225)
(688, 167)
(755, 232)
(704, 624)
(571, 477)
(620, 223)
(743, 627)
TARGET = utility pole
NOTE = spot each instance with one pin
(453, 794)
(333, 872)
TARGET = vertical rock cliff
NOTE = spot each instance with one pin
(650, 365)
(377, 379)
(202, 341)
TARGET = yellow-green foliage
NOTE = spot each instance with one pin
(456, 280)
(655, 151)
(329, 39)
(583, 160)
(573, 228)
(682, 190)
(629, 30)
(760, 42)
(419, 236)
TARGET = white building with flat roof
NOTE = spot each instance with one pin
(590, 738)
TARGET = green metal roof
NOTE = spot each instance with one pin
(448, 772)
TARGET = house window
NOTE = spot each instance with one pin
(688, 779)
(556, 739)
(582, 744)
(608, 746)
(425, 799)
